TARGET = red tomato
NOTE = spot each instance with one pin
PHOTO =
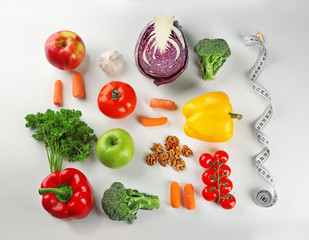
(226, 185)
(205, 160)
(209, 178)
(225, 170)
(210, 193)
(117, 99)
(228, 201)
(221, 156)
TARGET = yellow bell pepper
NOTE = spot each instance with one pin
(209, 117)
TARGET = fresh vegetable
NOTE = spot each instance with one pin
(226, 184)
(218, 185)
(111, 62)
(153, 122)
(225, 170)
(189, 196)
(115, 148)
(64, 135)
(78, 88)
(65, 50)
(210, 193)
(213, 53)
(228, 201)
(122, 204)
(67, 194)
(117, 100)
(162, 103)
(209, 117)
(175, 197)
(209, 177)
(222, 156)
(58, 100)
(205, 160)
(161, 52)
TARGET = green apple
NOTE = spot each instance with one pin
(115, 148)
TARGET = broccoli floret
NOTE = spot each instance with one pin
(214, 53)
(122, 204)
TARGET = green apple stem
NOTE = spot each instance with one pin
(114, 142)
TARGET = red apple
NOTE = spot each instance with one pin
(65, 50)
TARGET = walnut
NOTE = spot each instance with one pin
(178, 152)
(171, 155)
(156, 148)
(171, 142)
(160, 155)
(179, 164)
(186, 151)
(163, 161)
(152, 159)
(169, 159)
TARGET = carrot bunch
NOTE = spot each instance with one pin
(151, 122)
(162, 103)
(158, 103)
(175, 196)
(58, 93)
(78, 89)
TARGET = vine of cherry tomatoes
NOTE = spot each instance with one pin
(216, 179)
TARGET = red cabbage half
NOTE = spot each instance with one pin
(161, 52)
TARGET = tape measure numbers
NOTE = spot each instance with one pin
(263, 198)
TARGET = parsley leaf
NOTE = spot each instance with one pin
(64, 134)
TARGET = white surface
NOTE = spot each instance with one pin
(26, 87)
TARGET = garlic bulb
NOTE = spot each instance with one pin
(111, 61)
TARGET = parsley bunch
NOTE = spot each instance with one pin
(64, 136)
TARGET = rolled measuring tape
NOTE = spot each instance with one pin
(263, 198)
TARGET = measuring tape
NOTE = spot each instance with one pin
(263, 198)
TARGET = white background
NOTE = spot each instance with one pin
(27, 81)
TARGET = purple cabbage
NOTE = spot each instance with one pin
(161, 52)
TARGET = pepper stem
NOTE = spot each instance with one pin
(63, 192)
(235, 115)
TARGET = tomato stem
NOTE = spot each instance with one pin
(219, 177)
(218, 180)
(115, 94)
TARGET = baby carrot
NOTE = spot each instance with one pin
(78, 88)
(152, 122)
(175, 195)
(58, 93)
(162, 103)
(189, 196)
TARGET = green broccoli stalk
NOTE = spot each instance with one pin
(122, 204)
(213, 53)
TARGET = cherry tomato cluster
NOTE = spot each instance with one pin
(216, 178)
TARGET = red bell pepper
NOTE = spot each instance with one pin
(67, 194)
